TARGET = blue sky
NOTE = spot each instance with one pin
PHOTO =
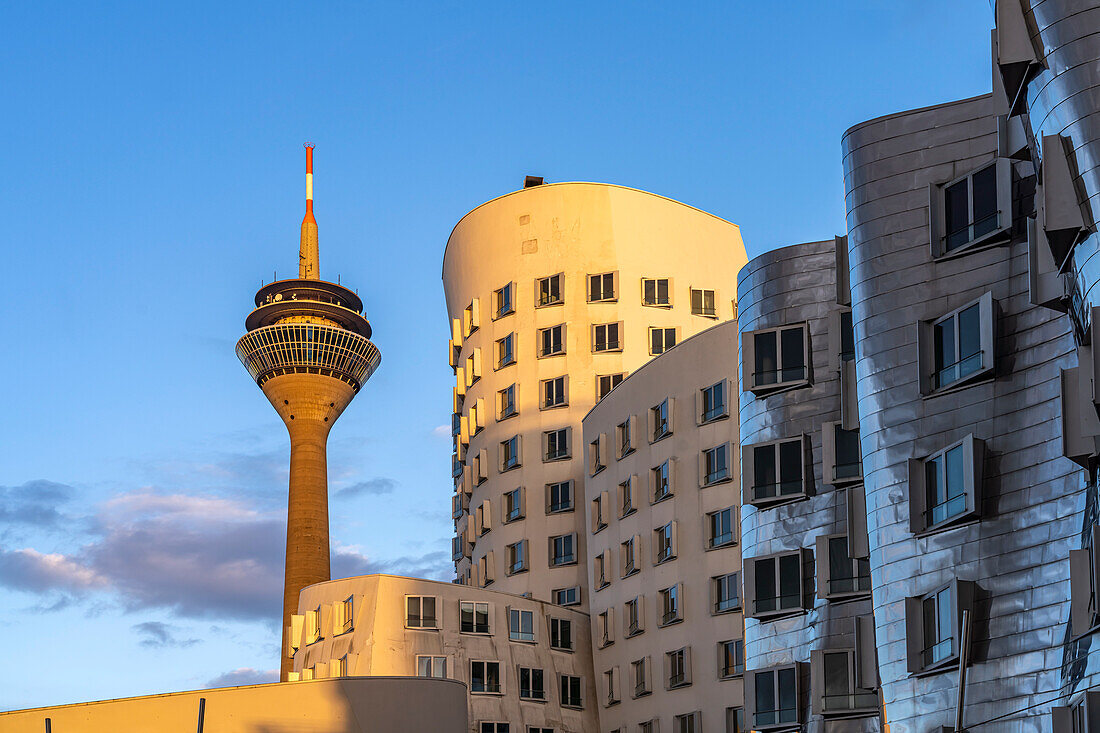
(155, 177)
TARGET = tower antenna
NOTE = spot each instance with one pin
(308, 256)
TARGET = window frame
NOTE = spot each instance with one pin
(560, 508)
(499, 354)
(708, 527)
(531, 696)
(961, 598)
(988, 310)
(557, 593)
(643, 683)
(861, 582)
(674, 615)
(575, 703)
(703, 416)
(518, 615)
(728, 672)
(509, 461)
(674, 681)
(560, 394)
(431, 666)
(717, 582)
(613, 298)
(829, 455)
(474, 626)
(937, 209)
(553, 555)
(973, 459)
(485, 677)
(559, 277)
(511, 390)
(749, 585)
(668, 466)
(713, 478)
(748, 473)
(500, 307)
(614, 379)
(626, 437)
(702, 310)
(518, 557)
(656, 292)
(861, 700)
(513, 505)
(610, 347)
(540, 351)
(555, 625)
(437, 611)
(561, 454)
(667, 407)
(794, 716)
(664, 339)
(748, 360)
(665, 542)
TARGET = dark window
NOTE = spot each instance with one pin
(847, 337)
(550, 341)
(970, 208)
(606, 383)
(505, 352)
(778, 583)
(780, 356)
(531, 684)
(655, 292)
(474, 617)
(776, 697)
(847, 574)
(561, 496)
(777, 470)
(848, 461)
(945, 485)
(601, 287)
(714, 401)
(553, 392)
(421, 612)
(550, 290)
(958, 346)
(605, 337)
(570, 691)
(661, 340)
(702, 302)
(484, 676)
(561, 634)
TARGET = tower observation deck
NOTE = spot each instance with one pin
(308, 348)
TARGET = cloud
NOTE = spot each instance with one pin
(373, 487)
(33, 503)
(33, 571)
(159, 635)
(434, 565)
(244, 676)
(442, 431)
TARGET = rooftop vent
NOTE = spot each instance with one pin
(532, 181)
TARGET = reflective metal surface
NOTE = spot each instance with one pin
(1033, 498)
(789, 286)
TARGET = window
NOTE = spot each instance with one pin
(599, 571)
(548, 290)
(841, 460)
(487, 727)
(633, 610)
(553, 393)
(347, 614)
(677, 666)
(420, 612)
(774, 472)
(471, 317)
(847, 337)
(776, 584)
(727, 592)
(1084, 577)
(486, 569)
(599, 512)
(735, 720)
(714, 465)
(933, 626)
(775, 358)
(607, 337)
(702, 303)
(607, 382)
(713, 402)
(485, 677)
(661, 340)
(531, 686)
(552, 341)
(601, 288)
(339, 667)
(563, 551)
(720, 528)
(640, 672)
(660, 420)
(513, 505)
(502, 301)
(731, 658)
(624, 437)
(972, 209)
(957, 348)
(566, 596)
(839, 575)
(687, 723)
(484, 516)
(475, 617)
(473, 368)
(834, 681)
(509, 453)
(664, 542)
(655, 292)
(428, 666)
(945, 487)
(662, 483)
(649, 726)
(561, 634)
(773, 695)
(626, 497)
(555, 444)
(506, 351)
(1081, 716)
(506, 403)
(597, 454)
(517, 557)
(628, 554)
(536, 729)
(570, 686)
(605, 632)
(559, 497)
(670, 605)
(521, 625)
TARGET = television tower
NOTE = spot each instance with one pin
(308, 348)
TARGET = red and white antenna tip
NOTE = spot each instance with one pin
(309, 176)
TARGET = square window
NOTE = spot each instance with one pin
(774, 472)
(957, 348)
(485, 677)
(563, 552)
(776, 584)
(553, 393)
(506, 403)
(607, 337)
(421, 612)
(566, 596)
(549, 291)
(489, 727)
(521, 625)
(509, 453)
(720, 528)
(607, 382)
(570, 686)
(655, 291)
(945, 487)
(713, 402)
(551, 341)
(661, 340)
(556, 444)
(971, 210)
(776, 358)
(686, 723)
(531, 685)
(474, 617)
(834, 678)
(839, 575)
(559, 497)
(506, 351)
(727, 592)
(715, 466)
(561, 634)
(933, 626)
(429, 666)
(601, 288)
(731, 658)
(702, 303)
(503, 301)
(670, 605)
(773, 695)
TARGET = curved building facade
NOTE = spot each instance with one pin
(555, 293)
(664, 556)
(809, 636)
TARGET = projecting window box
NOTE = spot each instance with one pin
(971, 211)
